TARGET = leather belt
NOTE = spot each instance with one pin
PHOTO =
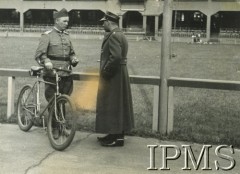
(59, 58)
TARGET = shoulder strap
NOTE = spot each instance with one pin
(47, 32)
(106, 38)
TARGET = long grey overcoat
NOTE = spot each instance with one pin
(114, 112)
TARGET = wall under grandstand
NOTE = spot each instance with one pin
(210, 18)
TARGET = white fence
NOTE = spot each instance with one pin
(173, 82)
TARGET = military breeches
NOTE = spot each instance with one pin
(65, 86)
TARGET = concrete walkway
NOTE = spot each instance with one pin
(30, 153)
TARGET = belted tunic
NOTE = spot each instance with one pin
(55, 46)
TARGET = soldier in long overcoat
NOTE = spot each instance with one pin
(114, 112)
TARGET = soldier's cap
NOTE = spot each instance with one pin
(61, 13)
(110, 17)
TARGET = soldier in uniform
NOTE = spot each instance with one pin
(114, 110)
(55, 50)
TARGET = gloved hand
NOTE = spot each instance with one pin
(106, 74)
(48, 65)
(74, 62)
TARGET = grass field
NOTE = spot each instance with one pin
(200, 115)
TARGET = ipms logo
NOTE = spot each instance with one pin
(223, 161)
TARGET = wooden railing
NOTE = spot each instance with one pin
(144, 80)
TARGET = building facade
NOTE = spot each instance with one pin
(208, 16)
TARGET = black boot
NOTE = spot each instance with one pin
(113, 140)
(107, 137)
(113, 143)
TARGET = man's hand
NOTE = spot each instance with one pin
(74, 62)
(48, 65)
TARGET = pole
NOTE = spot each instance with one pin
(208, 30)
(209, 15)
(165, 55)
(21, 21)
(121, 22)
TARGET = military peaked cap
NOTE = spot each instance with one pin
(61, 13)
(110, 17)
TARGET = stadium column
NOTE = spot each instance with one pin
(121, 22)
(21, 21)
(208, 29)
(156, 25)
(144, 23)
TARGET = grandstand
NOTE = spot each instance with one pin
(211, 18)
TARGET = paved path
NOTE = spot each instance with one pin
(31, 153)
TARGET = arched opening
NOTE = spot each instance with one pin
(229, 23)
(160, 21)
(9, 17)
(229, 19)
(75, 18)
(150, 26)
(88, 18)
(215, 25)
(189, 20)
(133, 20)
(39, 17)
